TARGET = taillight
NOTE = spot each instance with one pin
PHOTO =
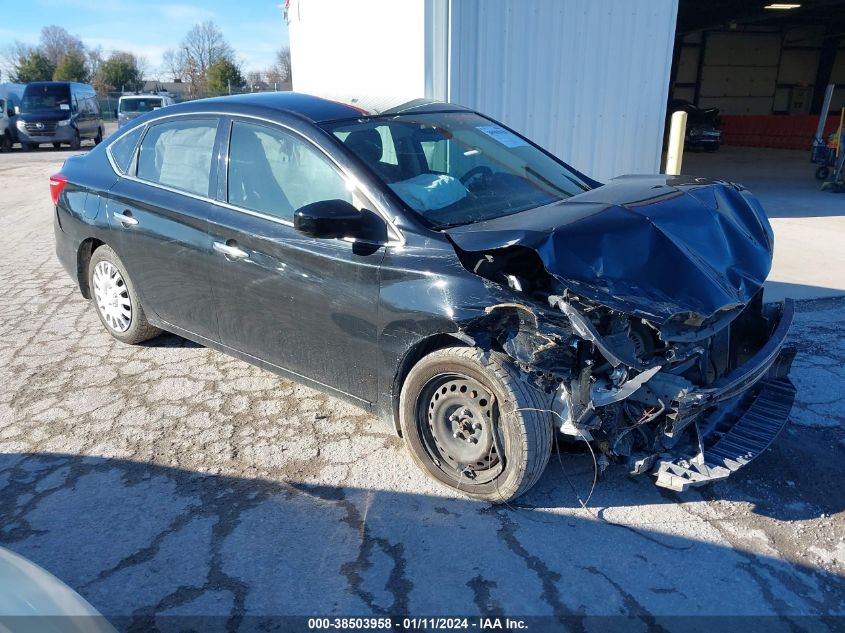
(57, 183)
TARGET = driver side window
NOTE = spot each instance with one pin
(275, 172)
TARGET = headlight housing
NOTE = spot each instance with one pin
(63, 122)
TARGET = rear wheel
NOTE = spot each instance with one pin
(116, 301)
(822, 173)
(99, 138)
(76, 143)
(471, 422)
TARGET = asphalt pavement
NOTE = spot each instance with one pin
(170, 480)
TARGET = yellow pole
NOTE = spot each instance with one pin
(675, 151)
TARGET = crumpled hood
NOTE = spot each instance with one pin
(663, 248)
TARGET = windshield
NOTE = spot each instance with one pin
(49, 97)
(458, 168)
(139, 105)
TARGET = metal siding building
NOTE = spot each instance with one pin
(587, 79)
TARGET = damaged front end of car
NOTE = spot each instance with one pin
(677, 369)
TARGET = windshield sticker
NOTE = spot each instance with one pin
(500, 134)
(64, 106)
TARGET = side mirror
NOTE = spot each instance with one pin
(328, 219)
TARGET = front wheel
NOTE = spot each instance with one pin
(822, 173)
(76, 143)
(472, 423)
(5, 143)
(117, 303)
(99, 138)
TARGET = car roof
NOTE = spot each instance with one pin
(61, 83)
(146, 95)
(312, 108)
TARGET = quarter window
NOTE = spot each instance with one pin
(123, 150)
(178, 154)
(276, 173)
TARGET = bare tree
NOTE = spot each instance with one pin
(11, 56)
(204, 44)
(174, 62)
(281, 71)
(255, 80)
(95, 58)
(57, 43)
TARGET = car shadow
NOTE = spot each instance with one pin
(152, 546)
(166, 339)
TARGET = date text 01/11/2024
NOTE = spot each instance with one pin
(422, 623)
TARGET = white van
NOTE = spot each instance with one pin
(132, 106)
(10, 102)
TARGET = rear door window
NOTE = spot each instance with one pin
(178, 154)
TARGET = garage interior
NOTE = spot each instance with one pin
(767, 71)
(765, 68)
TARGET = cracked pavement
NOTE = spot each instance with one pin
(169, 479)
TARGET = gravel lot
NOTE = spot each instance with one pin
(168, 479)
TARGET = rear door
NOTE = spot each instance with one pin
(160, 212)
(80, 107)
(309, 306)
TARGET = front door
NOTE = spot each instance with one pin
(308, 306)
(161, 218)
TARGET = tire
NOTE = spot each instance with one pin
(76, 143)
(28, 147)
(107, 291)
(822, 173)
(57, 145)
(521, 439)
(5, 143)
(99, 138)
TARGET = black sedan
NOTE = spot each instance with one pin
(702, 130)
(439, 269)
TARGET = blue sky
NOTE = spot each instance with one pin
(255, 28)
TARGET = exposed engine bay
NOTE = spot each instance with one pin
(690, 399)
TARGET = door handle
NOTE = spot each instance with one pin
(126, 220)
(230, 250)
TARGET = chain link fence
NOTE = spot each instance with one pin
(108, 101)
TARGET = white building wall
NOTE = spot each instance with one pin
(341, 48)
(586, 79)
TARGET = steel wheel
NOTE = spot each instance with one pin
(457, 418)
(473, 423)
(112, 296)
